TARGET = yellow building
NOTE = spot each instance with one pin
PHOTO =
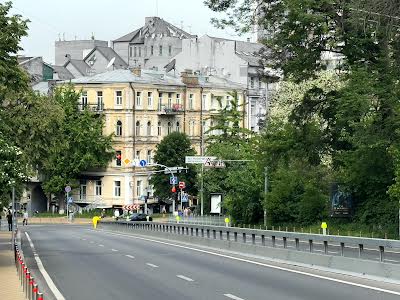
(140, 108)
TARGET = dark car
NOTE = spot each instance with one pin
(139, 217)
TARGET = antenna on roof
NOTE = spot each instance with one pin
(156, 8)
(110, 63)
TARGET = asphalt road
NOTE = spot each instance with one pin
(88, 265)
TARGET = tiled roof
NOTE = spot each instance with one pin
(109, 53)
(220, 82)
(41, 87)
(155, 27)
(63, 73)
(80, 65)
(249, 52)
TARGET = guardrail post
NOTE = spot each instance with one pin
(285, 242)
(341, 249)
(30, 293)
(21, 274)
(360, 249)
(214, 234)
(263, 240)
(381, 253)
(220, 235)
(310, 242)
(40, 296)
(244, 237)
(187, 230)
(253, 239)
(174, 229)
(228, 238)
(202, 232)
(235, 236)
(24, 279)
(27, 278)
(297, 243)
(208, 233)
(191, 231)
(273, 238)
(197, 232)
(34, 291)
(326, 247)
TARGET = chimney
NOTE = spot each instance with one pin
(188, 77)
(137, 71)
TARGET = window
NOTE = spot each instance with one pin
(159, 128)
(82, 189)
(137, 130)
(100, 100)
(117, 188)
(259, 83)
(178, 99)
(140, 51)
(152, 50)
(84, 100)
(252, 82)
(149, 156)
(148, 128)
(149, 99)
(160, 50)
(159, 101)
(118, 130)
(137, 157)
(169, 100)
(204, 100)
(169, 50)
(178, 127)
(135, 52)
(138, 98)
(118, 157)
(98, 187)
(118, 98)
(169, 128)
(138, 188)
(191, 99)
(130, 51)
(191, 127)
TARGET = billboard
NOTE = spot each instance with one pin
(216, 203)
(341, 202)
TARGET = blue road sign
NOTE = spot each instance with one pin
(173, 180)
(184, 198)
(143, 163)
(70, 200)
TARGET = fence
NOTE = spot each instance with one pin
(354, 254)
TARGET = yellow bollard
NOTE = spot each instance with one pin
(95, 220)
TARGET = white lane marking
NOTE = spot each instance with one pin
(184, 278)
(114, 250)
(130, 256)
(233, 297)
(391, 260)
(42, 270)
(100, 245)
(258, 263)
(83, 239)
(316, 250)
(151, 265)
(333, 252)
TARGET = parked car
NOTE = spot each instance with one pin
(139, 217)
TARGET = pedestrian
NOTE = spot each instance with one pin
(25, 220)
(9, 219)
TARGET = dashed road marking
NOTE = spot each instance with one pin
(100, 245)
(184, 278)
(152, 265)
(233, 297)
(114, 250)
(130, 256)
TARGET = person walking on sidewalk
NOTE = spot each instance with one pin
(25, 220)
(9, 219)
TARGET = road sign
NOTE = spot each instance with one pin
(214, 163)
(182, 184)
(173, 180)
(67, 189)
(143, 163)
(184, 198)
(127, 161)
(208, 162)
(197, 159)
(70, 200)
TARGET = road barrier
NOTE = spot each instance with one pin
(264, 243)
(29, 286)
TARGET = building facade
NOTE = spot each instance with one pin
(140, 108)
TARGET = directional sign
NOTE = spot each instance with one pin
(184, 198)
(198, 159)
(182, 184)
(70, 200)
(173, 180)
(143, 163)
(67, 189)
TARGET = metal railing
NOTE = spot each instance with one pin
(199, 220)
(267, 238)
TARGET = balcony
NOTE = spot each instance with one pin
(174, 109)
(96, 108)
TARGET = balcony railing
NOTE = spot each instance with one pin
(171, 110)
(99, 107)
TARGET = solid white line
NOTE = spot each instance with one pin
(391, 260)
(91, 242)
(151, 265)
(42, 270)
(259, 263)
(114, 250)
(184, 278)
(101, 245)
(233, 297)
(83, 239)
(130, 256)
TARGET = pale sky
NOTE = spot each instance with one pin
(108, 19)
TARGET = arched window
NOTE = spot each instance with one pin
(137, 128)
(159, 128)
(148, 128)
(178, 127)
(118, 131)
(169, 127)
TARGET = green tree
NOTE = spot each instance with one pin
(171, 152)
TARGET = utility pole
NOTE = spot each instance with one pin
(14, 218)
(265, 194)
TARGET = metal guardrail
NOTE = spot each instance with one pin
(199, 220)
(249, 236)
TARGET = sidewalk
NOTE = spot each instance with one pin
(10, 288)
